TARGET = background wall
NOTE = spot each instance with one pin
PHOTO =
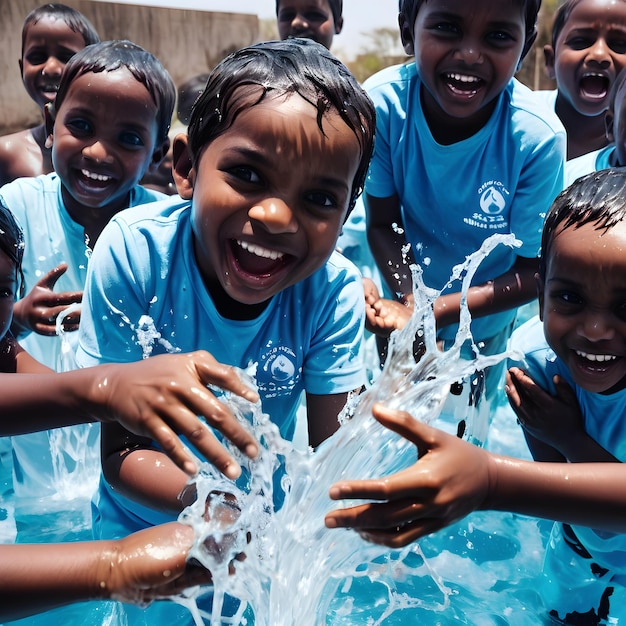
(186, 42)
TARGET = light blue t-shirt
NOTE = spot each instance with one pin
(52, 237)
(501, 180)
(587, 163)
(145, 295)
(603, 417)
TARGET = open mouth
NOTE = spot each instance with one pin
(257, 260)
(94, 180)
(463, 84)
(595, 363)
(594, 86)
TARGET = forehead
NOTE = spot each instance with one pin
(505, 11)
(52, 30)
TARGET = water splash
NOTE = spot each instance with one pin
(294, 564)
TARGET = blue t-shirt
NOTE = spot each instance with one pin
(145, 295)
(603, 417)
(587, 163)
(500, 180)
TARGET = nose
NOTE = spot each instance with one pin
(299, 22)
(275, 215)
(596, 326)
(599, 52)
(470, 51)
(97, 151)
(52, 67)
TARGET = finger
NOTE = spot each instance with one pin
(398, 538)
(49, 280)
(389, 515)
(405, 425)
(211, 372)
(564, 391)
(171, 444)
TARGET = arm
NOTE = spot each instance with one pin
(452, 478)
(553, 425)
(157, 398)
(507, 291)
(388, 243)
(143, 566)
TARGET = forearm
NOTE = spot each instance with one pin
(40, 577)
(148, 477)
(586, 494)
(508, 291)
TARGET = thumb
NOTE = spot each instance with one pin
(405, 425)
(49, 280)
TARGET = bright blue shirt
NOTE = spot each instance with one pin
(500, 180)
(587, 163)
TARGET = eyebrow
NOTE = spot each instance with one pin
(261, 159)
(455, 17)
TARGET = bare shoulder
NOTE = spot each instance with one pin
(20, 155)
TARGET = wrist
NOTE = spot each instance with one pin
(103, 586)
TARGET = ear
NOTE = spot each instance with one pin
(182, 168)
(540, 294)
(338, 26)
(160, 152)
(406, 35)
(548, 57)
(49, 116)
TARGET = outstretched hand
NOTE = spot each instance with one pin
(450, 479)
(162, 396)
(37, 311)
(382, 315)
(150, 564)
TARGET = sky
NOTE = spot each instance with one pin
(359, 16)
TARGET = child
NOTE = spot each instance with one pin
(613, 155)
(462, 152)
(51, 35)
(108, 125)
(571, 402)
(586, 55)
(274, 161)
(319, 20)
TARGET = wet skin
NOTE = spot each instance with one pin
(583, 305)
(466, 53)
(270, 196)
(590, 52)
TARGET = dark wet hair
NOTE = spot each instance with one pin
(73, 18)
(409, 9)
(12, 243)
(336, 7)
(597, 198)
(108, 56)
(188, 93)
(277, 68)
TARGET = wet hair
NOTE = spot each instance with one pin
(12, 243)
(336, 7)
(73, 18)
(275, 68)
(409, 9)
(188, 93)
(108, 56)
(598, 198)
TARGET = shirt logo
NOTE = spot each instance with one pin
(493, 197)
(278, 374)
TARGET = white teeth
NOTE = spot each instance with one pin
(462, 78)
(252, 248)
(94, 176)
(600, 358)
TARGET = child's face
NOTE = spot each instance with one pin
(270, 196)
(590, 52)
(310, 19)
(104, 139)
(583, 305)
(8, 288)
(48, 46)
(466, 53)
